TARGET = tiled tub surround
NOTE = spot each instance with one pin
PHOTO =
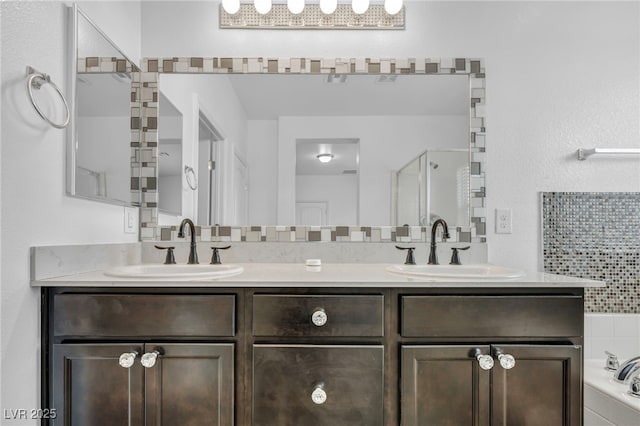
(595, 235)
(144, 115)
(616, 333)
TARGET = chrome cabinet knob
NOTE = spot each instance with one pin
(148, 360)
(319, 395)
(484, 361)
(319, 317)
(506, 361)
(127, 359)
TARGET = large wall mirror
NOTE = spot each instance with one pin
(275, 132)
(99, 151)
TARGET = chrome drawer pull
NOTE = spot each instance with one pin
(485, 361)
(319, 317)
(127, 359)
(319, 396)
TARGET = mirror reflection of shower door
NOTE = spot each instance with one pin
(208, 138)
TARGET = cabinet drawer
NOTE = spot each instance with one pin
(491, 316)
(124, 315)
(293, 315)
(346, 381)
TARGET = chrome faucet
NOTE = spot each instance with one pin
(628, 369)
(193, 253)
(433, 257)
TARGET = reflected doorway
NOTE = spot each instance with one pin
(208, 154)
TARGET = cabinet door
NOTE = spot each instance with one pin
(542, 389)
(444, 385)
(90, 388)
(320, 385)
(190, 385)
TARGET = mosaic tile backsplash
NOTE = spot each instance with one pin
(374, 234)
(595, 235)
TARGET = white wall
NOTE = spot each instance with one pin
(340, 192)
(386, 144)
(560, 75)
(34, 207)
(262, 160)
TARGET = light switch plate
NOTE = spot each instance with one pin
(130, 220)
(503, 221)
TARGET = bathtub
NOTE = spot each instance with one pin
(607, 403)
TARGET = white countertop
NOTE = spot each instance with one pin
(327, 275)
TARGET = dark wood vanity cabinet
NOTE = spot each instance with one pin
(142, 359)
(190, 384)
(314, 356)
(542, 389)
(532, 353)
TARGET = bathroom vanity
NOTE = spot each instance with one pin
(284, 344)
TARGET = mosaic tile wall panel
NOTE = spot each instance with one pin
(145, 174)
(374, 234)
(311, 17)
(596, 235)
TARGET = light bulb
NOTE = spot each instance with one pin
(360, 6)
(295, 6)
(392, 6)
(328, 6)
(262, 6)
(231, 6)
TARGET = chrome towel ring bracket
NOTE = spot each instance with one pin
(190, 175)
(35, 80)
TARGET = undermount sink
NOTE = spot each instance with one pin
(477, 271)
(182, 272)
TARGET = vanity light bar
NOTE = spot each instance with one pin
(279, 16)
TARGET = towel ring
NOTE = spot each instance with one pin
(190, 175)
(37, 79)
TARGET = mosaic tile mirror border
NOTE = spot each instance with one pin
(595, 235)
(144, 117)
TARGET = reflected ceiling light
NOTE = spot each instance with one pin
(392, 6)
(295, 6)
(324, 158)
(328, 6)
(360, 6)
(262, 6)
(231, 6)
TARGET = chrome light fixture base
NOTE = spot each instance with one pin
(311, 17)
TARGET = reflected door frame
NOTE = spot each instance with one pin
(209, 168)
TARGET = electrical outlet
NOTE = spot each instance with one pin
(130, 220)
(503, 221)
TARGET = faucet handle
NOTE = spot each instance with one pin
(612, 362)
(170, 259)
(215, 256)
(455, 258)
(634, 387)
(410, 260)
